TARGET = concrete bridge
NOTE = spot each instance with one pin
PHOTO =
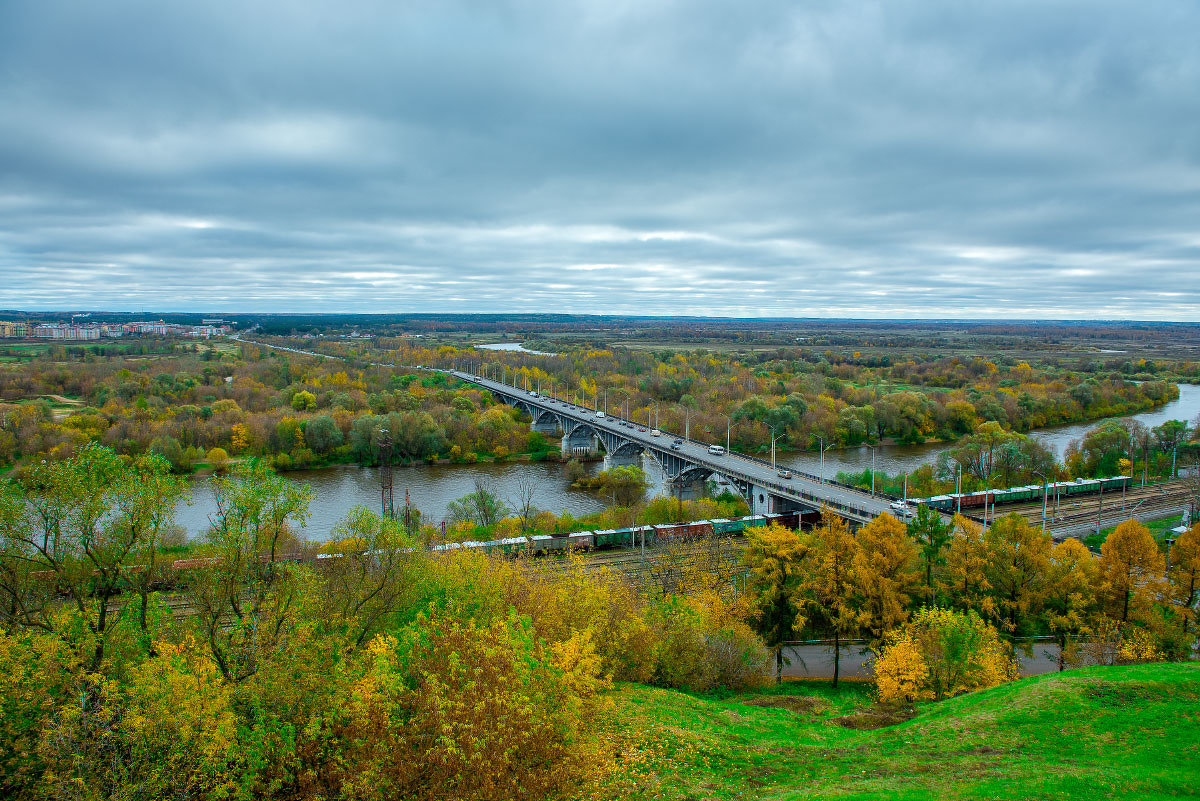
(764, 488)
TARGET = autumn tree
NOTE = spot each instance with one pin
(829, 587)
(246, 597)
(885, 573)
(941, 653)
(1185, 575)
(1131, 570)
(964, 583)
(1016, 564)
(1070, 595)
(774, 557)
(931, 535)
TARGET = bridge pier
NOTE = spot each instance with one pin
(581, 443)
(546, 424)
(623, 457)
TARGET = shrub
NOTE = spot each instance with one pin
(456, 709)
(941, 653)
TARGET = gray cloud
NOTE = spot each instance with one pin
(905, 158)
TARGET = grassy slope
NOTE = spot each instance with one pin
(1130, 732)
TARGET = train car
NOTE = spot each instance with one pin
(724, 526)
(582, 540)
(1114, 483)
(786, 519)
(669, 532)
(809, 518)
(195, 564)
(700, 529)
(1087, 486)
(511, 546)
(606, 538)
(943, 503)
(546, 544)
(972, 500)
(754, 521)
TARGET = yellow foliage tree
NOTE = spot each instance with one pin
(1131, 572)
(959, 650)
(886, 575)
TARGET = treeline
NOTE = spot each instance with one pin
(998, 459)
(1124, 605)
(801, 396)
(212, 406)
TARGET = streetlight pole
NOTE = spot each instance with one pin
(1045, 491)
(872, 447)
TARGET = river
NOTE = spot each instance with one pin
(432, 487)
(893, 459)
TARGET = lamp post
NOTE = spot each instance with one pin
(774, 437)
(1045, 490)
(872, 447)
(823, 449)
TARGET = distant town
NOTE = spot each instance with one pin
(76, 332)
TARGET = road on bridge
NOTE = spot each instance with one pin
(808, 491)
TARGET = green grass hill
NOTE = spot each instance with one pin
(1124, 732)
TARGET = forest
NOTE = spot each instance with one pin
(393, 671)
(204, 404)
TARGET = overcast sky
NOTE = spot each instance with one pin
(902, 158)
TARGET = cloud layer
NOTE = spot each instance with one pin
(907, 158)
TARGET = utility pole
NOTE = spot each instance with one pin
(1100, 509)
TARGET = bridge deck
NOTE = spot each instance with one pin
(802, 489)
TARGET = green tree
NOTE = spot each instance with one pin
(322, 435)
(246, 597)
(304, 401)
(483, 506)
(931, 535)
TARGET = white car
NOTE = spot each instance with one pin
(656, 433)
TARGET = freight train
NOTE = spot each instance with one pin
(591, 540)
(1032, 492)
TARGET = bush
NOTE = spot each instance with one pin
(941, 653)
(457, 709)
(218, 458)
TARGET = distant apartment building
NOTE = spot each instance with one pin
(81, 333)
(66, 333)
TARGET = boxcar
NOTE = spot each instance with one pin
(670, 531)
